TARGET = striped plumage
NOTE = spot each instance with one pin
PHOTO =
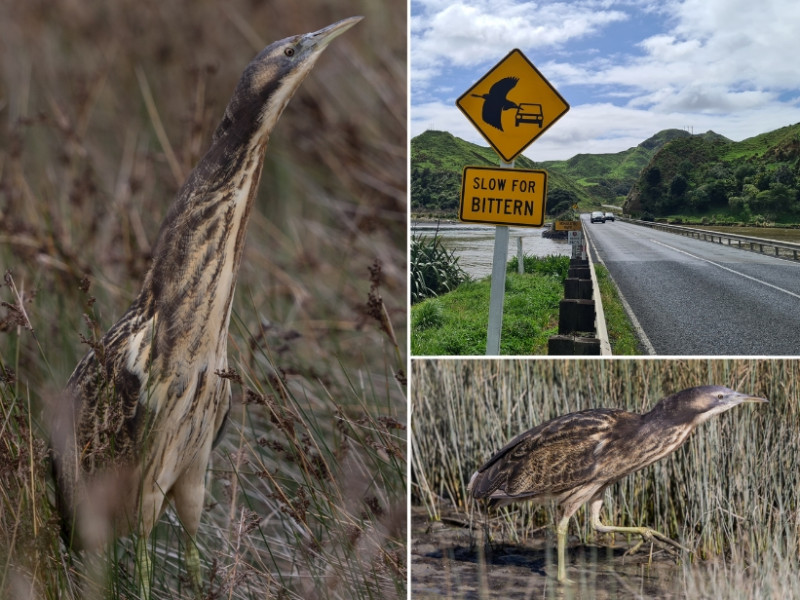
(147, 404)
(573, 458)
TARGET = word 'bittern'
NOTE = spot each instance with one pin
(147, 404)
(573, 458)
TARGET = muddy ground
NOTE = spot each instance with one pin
(446, 562)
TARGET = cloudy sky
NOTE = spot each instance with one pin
(628, 68)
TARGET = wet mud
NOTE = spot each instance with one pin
(448, 562)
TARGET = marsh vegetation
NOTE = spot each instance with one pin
(730, 494)
(103, 112)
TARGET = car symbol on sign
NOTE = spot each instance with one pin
(529, 113)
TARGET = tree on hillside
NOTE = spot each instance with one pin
(434, 190)
(653, 176)
(678, 186)
(783, 174)
(559, 201)
(743, 172)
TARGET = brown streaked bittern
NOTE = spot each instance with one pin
(146, 404)
(572, 459)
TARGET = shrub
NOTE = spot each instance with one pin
(434, 268)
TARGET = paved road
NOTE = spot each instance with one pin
(700, 298)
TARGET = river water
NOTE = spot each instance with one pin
(474, 244)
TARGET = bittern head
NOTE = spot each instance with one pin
(698, 404)
(271, 79)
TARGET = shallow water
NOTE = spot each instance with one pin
(474, 244)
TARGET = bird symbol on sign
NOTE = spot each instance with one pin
(495, 102)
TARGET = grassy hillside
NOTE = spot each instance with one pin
(755, 180)
(438, 159)
(607, 178)
(672, 173)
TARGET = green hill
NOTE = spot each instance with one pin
(438, 158)
(671, 174)
(607, 178)
(754, 180)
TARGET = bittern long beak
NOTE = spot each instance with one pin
(738, 398)
(317, 40)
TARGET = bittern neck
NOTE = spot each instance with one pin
(661, 432)
(196, 260)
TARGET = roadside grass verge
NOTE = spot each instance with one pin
(455, 323)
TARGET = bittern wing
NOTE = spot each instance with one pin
(553, 458)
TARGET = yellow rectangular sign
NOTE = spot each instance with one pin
(568, 226)
(503, 196)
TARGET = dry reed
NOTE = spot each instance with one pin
(104, 108)
(731, 493)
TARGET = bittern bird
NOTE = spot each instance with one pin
(496, 101)
(574, 458)
(146, 403)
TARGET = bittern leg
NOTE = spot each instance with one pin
(144, 566)
(189, 495)
(149, 511)
(561, 532)
(647, 534)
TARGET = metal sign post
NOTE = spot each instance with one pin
(498, 291)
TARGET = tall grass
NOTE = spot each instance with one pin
(730, 494)
(104, 109)
(434, 269)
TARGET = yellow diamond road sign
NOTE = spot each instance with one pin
(503, 196)
(512, 105)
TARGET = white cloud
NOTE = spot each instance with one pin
(726, 65)
(471, 31)
(720, 55)
(607, 128)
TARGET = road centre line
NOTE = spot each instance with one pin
(724, 268)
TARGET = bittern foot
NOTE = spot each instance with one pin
(192, 558)
(566, 581)
(144, 567)
(651, 535)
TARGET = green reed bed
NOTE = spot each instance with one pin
(730, 495)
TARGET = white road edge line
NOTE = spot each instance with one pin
(724, 268)
(648, 347)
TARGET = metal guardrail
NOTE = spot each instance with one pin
(788, 250)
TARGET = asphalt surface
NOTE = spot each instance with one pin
(692, 297)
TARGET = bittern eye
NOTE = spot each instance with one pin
(289, 52)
